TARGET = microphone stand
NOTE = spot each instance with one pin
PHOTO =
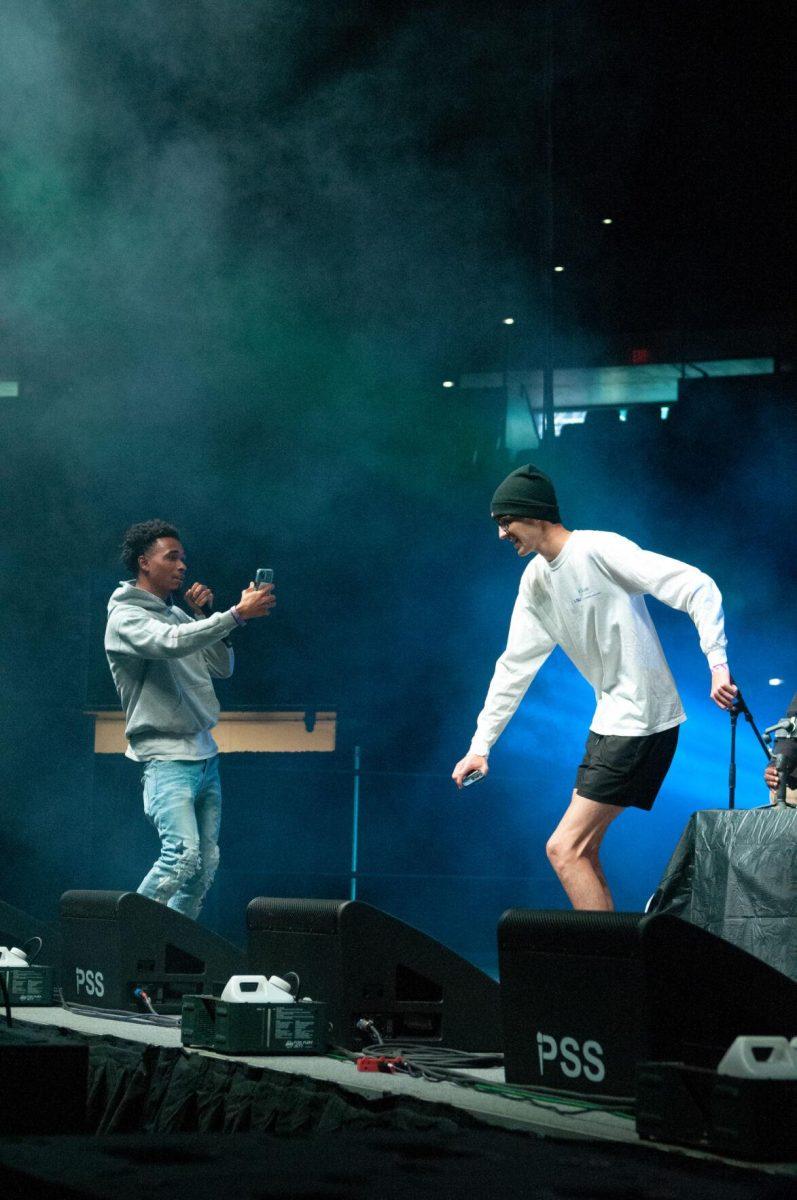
(740, 706)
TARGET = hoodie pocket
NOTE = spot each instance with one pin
(176, 701)
(200, 701)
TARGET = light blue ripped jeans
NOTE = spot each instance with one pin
(182, 799)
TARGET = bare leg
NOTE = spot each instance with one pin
(573, 850)
(598, 869)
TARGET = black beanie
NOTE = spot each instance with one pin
(527, 492)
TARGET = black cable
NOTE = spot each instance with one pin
(120, 1014)
(366, 1026)
(603, 1099)
(598, 1103)
(6, 1000)
(34, 954)
(443, 1058)
(546, 1099)
(439, 1064)
(436, 1057)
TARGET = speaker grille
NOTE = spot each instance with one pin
(560, 931)
(91, 905)
(292, 915)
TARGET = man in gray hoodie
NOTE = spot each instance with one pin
(163, 662)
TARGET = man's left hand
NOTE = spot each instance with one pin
(723, 690)
(200, 598)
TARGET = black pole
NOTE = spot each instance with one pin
(740, 706)
(748, 716)
(732, 767)
(548, 213)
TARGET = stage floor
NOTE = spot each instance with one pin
(560, 1119)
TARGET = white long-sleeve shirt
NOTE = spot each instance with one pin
(590, 601)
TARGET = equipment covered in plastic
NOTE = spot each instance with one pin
(734, 873)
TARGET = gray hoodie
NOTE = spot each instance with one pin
(162, 662)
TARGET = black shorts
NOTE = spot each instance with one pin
(626, 770)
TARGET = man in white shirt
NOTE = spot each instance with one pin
(584, 591)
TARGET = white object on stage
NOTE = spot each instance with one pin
(256, 989)
(747, 1058)
(13, 957)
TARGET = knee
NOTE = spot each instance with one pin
(555, 850)
(187, 862)
(561, 852)
(210, 864)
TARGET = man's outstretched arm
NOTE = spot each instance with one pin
(131, 631)
(527, 648)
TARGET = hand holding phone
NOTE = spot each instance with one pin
(258, 599)
(470, 769)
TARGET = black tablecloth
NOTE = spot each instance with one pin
(734, 873)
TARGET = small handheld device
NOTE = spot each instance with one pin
(263, 575)
(472, 777)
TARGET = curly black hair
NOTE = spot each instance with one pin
(138, 539)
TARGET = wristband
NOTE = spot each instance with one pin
(239, 620)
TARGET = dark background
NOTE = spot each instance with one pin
(241, 245)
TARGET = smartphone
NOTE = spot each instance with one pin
(472, 777)
(263, 575)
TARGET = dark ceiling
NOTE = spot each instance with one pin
(386, 162)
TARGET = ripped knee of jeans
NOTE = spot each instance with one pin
(208, 866)
(187, 862)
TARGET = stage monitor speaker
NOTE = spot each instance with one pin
(18, 928)
(368, 965)
(113, 942)
(586, 996)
